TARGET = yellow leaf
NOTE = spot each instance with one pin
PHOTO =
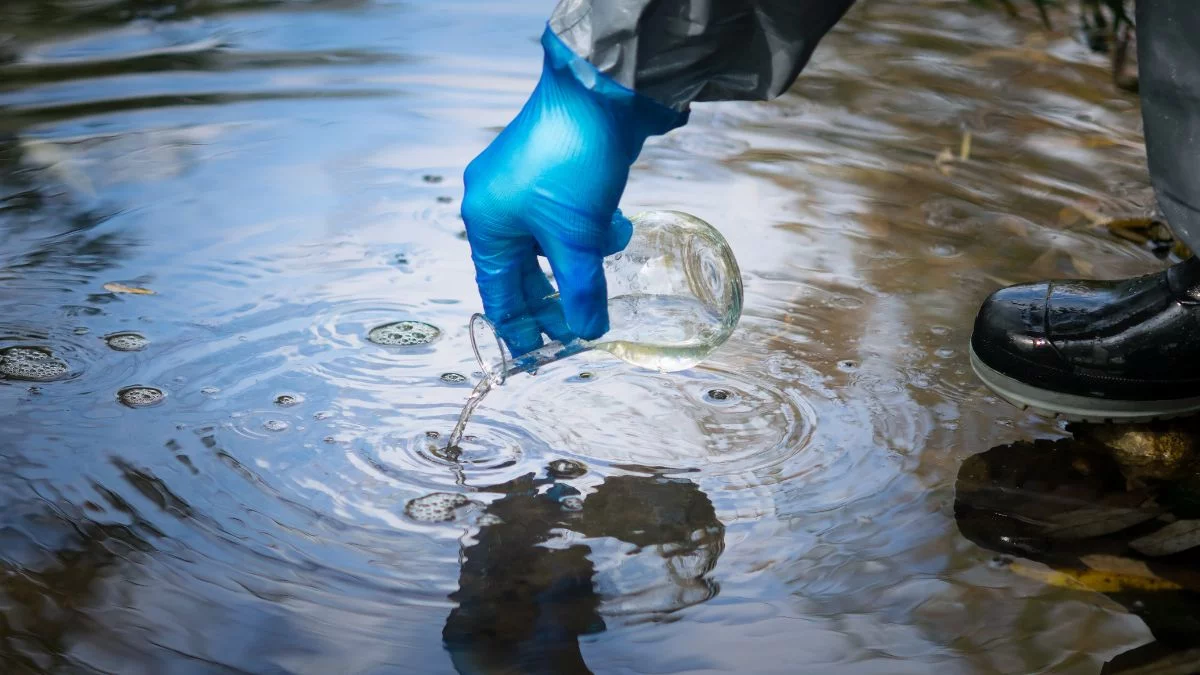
(1100, 581)
(113, 287)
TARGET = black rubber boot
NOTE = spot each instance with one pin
(1120, 351)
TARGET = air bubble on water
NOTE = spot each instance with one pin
(721, 396)
(210, 391)
(1000, 561)
(939, 330)
(432, 434)
(488, 519)
(944, 353)
(404, 334)
(275, 425)
(126, 342)
(329, 439)
(140, 397)
(32, 364)
(566, 468)
(847, 365)
(438, 507)
(288, 400)
(572, 503)
(431, 178)
(585, 375)
(453, 378)
(82, 330)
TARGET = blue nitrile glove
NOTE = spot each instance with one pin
(549, 185)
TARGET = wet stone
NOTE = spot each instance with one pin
(453, 378)
(566, 468)
(288, 400)
(438, 507)
(126, 342)
(31, 364)
(404, 334)
(140, 397)
(275, 425)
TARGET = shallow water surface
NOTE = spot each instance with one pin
(249, 188)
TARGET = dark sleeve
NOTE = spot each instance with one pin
(679, 51)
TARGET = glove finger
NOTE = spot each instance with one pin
(544, 303)
(499, 275)
(582, 289)
(618, 234)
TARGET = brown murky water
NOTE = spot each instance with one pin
(250, 188)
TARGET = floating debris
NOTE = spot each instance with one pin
(140, 397)
(113, 287)
(404, 334)
(32, 364)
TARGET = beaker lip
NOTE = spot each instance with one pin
(483, 330)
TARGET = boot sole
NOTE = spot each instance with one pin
(1075, 408)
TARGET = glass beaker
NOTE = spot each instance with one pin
(674, 296)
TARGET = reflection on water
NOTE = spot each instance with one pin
(244, 190)
(1079, 507)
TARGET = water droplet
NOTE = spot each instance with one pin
(275, 425)
(404, 334)
(126, 342)
(288, 400)
(566, 468)
(453, 378)
(32, 364)
(140, 397)
(438, 507)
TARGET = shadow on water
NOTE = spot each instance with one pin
(1108, 510)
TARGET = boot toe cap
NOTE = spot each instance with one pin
(1010, 330)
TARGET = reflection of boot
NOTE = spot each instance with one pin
(1095, 350)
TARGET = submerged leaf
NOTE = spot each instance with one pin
(1178, 536)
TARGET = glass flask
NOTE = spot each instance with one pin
(674, 296)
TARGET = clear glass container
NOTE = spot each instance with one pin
(674, 296)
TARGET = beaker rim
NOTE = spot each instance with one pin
(482, 329)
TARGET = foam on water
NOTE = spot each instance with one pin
(140, 397)
(404, 334)
(439, 507)
(126, 342)
(32, 364)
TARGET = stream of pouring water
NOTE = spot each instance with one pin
(477, 395)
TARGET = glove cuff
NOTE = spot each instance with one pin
(646, 116)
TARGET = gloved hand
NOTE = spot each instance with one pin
(549, 185)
